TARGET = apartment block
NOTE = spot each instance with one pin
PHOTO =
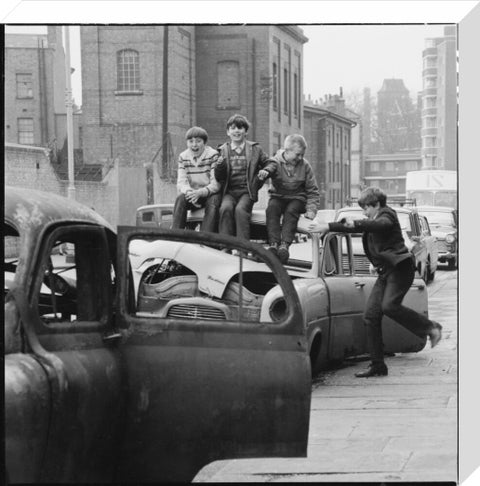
(439, 102)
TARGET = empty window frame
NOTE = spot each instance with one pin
(228, 73)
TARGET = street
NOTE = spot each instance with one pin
(402, 427)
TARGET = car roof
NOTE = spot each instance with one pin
(397, 209)
(442, 209)
(35, 210)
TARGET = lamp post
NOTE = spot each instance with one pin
(69, 105)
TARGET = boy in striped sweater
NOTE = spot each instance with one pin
(196, 182)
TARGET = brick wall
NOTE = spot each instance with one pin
(30, 167)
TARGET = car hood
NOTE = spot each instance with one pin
(442, 231)
(214, 268)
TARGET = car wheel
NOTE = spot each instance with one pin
(429, 273)
(452, 264)
(423, 274)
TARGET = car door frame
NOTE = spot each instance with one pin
(260, 371)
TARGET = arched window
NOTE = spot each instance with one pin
(128, 70)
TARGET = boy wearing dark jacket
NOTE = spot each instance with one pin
(242, 169)
(385, 248)
(294, 192)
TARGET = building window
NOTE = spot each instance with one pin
(228, 95)
(25, 131)
(128, 70)
(330, 175)
(277, 142)
(337, 140)
(431, 102)
(24, 86)
(345, 142)
(295, 94)
(285, 91)
(411, 165)
(390, 166)
(374, 167)
(329, 140)
(275, 86)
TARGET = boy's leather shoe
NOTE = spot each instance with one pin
(375, 369)
(273, 248)
(283, 254)
(435, 334)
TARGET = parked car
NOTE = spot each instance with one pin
(203, 280)
(443, 222)
(416, 233)
(98, 390)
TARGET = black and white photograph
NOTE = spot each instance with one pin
(302, 166)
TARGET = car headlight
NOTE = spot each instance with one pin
(278, 309)
(450, 238)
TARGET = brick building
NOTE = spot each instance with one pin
(34, 70)
(398, 119)
(144, 86)
(329, 136)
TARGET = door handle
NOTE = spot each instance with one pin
(112, 338)
(359, 285)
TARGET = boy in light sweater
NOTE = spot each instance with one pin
(196, 182)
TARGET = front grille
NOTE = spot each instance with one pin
(196, 311)
(441, 246)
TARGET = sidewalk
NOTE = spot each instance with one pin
(402, 427)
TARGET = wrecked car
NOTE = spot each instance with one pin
(104, 386)
(330, 280)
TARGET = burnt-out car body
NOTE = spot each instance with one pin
(331, 286)
(99, 391)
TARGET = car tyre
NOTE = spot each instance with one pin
(429, 273)
(452, 264)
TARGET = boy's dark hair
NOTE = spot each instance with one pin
(370, 196)
(197, 132)
(239, 121)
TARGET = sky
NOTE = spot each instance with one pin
(363, 55)
(347, 56)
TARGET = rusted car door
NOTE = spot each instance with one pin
(64, 399)
(395, 337)
(346, 297)
(201, 389)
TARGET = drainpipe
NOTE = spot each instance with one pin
(69, 105)
(254, 93)
(165, 102)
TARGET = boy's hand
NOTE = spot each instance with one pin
(317, 227)
(263, 174)
(193, 195)
(349, 223)
(310, 214)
